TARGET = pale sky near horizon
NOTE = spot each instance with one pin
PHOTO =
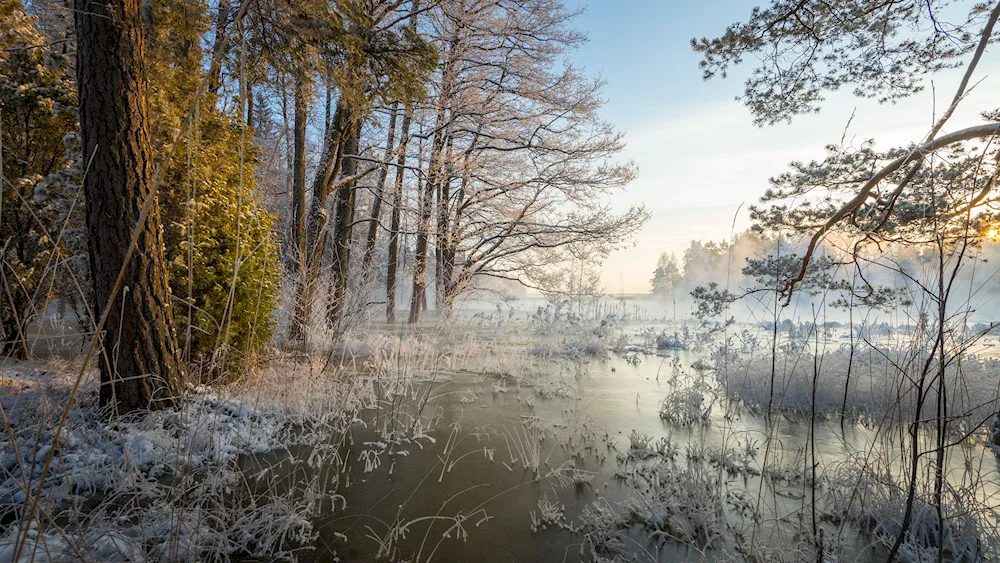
(699, 155)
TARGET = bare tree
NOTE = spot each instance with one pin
(522, 166)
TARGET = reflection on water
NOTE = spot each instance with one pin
(502, 461)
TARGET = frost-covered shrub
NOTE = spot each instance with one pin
(683, 503)
(684, 407)
(643, 446)
(867, 492)
(581, 346)
(549, 388)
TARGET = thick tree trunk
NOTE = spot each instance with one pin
(142, 368)
(376, 211)
(344, 204)
(397, 204)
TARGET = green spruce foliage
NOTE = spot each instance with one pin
(220, 241)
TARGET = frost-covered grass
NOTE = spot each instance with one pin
(232, 471)
(165, 485)
(870, 492)
(881, 387)
(246, 470)
(684, 407)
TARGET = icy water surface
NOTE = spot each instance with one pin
(481, 450)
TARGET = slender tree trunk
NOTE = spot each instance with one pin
(452, 283)
(774, 338)
(300, 316)
(142, 368)
(418, 299)
(397, 204)
(344, 203)
(222, 17)
(376, 211)
(316, 232)
(850, 357)
(441, 243)
(299, 166)
(444, 237)
(438, 241)
(250, 119)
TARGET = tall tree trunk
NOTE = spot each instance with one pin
(299, 167)
(434, 178)
(142, 368)
(316, 232)
(443, 238)
(376, 212)
(397, 204)
(300, 316)
(418, 299)
(344, 203)
(453, 285)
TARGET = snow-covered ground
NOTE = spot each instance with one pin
(161, 485)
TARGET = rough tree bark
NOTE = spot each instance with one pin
(299, 167)
(250, 106)
(142, 368)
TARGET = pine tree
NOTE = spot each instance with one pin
(141, 366)
(666, 276)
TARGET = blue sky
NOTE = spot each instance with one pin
(699, 155)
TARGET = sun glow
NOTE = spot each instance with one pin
(993, 235)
